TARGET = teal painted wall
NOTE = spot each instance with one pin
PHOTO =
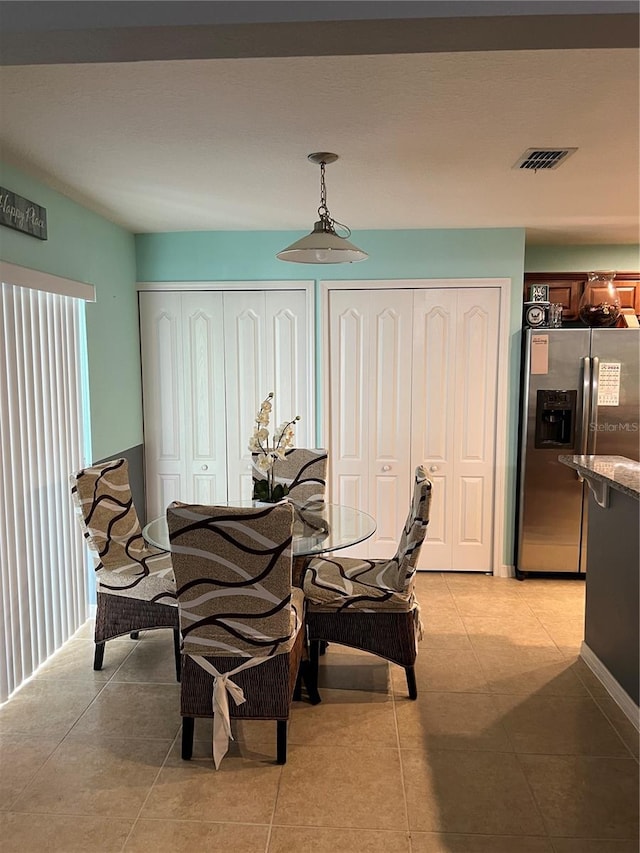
(86, 247)
(250, 255)
(415, 254)
(582, 258)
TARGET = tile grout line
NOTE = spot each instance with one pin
(151, 786)
(275, 800)
(594, 697)
(399, 750)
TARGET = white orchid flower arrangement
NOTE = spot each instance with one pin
(268, 451)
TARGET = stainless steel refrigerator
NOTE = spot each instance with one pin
(580, 394)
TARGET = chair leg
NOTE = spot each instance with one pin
(411, 682)
(297, 690)
(281, 735)
(309, 677)
(135, 635)
(310, 671)
(176, 652)
(187, 737)
(98, 656)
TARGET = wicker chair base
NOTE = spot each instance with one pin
(117, 615)
(268, 689)
(388, 635)
(298, 568)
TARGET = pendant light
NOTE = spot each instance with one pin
(323, 245)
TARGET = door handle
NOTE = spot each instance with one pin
(205, 467)
(433, 468)
(386, 467)
(586, 388)
(593, 405)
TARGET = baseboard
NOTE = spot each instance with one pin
(505, 571)
(617, 693)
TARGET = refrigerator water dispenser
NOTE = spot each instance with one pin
(555, 419)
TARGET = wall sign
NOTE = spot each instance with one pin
(23, 215)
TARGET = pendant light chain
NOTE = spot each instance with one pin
(328, 223)
(323, 210)
(323, 192)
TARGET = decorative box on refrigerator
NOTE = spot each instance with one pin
(580, 395)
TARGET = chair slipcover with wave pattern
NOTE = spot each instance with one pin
(304, 471)
(240, 617)
(135, 585)
(371, 604)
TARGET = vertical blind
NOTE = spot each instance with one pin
(43, 438)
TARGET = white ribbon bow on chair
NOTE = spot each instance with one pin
(222, 688)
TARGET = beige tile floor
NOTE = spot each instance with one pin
(513, 746)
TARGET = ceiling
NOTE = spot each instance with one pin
(426, 138)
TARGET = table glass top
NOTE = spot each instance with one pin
(316, 530)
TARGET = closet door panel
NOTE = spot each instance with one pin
(474, 429)
(434, 382)
(349, 429)
(288, 339)
(389, 414)
(348, 491)
(438, 532)
(168, 488)
(349, 433)
(163, 403)
(248, 380)
(205, 427)
(390, 506)
(471, 510)
(370, 375)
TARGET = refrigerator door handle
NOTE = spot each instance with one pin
(586, 398)
(593, 405)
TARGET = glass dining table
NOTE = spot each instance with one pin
(318, 528)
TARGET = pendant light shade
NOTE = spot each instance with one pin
(323, 245)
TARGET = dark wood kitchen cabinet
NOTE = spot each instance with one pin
(566, 288)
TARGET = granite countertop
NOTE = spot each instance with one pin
(618, 472)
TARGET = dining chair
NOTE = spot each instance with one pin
(304, 471)
(135, 584)
(371, 604)
(240, 618)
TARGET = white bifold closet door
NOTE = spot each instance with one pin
(455, 374)
(183, 374)
(209, 358)
(370, 374)
(267, 349)
(413, 376)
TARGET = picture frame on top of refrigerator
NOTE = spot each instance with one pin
(539, 293)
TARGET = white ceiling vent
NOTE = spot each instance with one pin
(543, 158)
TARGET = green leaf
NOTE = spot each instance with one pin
(278, 492)
(260, 490)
